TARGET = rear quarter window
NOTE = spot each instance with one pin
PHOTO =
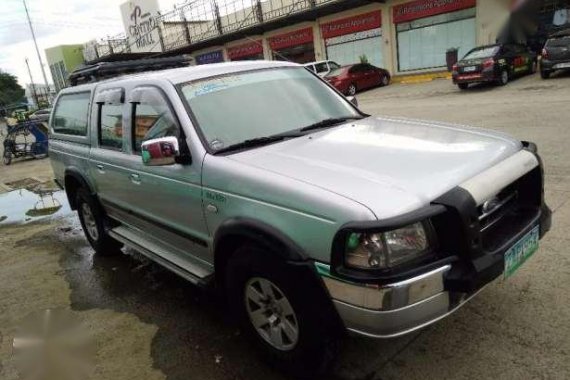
(70, 116)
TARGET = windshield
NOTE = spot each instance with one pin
(482, 53)
(235, 108)
(336, 72)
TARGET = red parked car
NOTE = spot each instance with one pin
(352, 78)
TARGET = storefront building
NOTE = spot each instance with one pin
(425, 29)
(296, 46)
(403, 36)
(353, 38)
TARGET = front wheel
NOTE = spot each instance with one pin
(385, 80)
(351, 90)
(93, 222)
(281, 311)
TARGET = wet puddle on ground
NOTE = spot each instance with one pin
(26, 206)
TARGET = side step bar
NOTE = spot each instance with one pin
(200, 275)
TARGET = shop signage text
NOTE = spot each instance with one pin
(298, 37)
(211, 57)
(348, 25)
(425, 8)
(245, 50)
(354, 37)
(139, 19)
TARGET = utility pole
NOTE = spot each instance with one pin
(37, 50)
(34, 93)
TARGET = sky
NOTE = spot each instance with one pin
(55, 22)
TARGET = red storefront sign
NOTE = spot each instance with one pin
(245, 50)
(298, 37)
(425, 8)
(348, 25)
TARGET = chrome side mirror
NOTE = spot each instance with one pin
(353, 100)
(161, 151)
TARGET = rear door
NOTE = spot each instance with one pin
(108, 146)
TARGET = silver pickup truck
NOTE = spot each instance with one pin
(313, 217)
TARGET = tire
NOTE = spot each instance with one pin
(301, 342)
(351, 90)
(92, 220)
(504, 78)
(7, 159)
(545, 74)
(385, 81)
(463, 86)
(534, 67)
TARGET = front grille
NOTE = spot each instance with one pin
(506, 215)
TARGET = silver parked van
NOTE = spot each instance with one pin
(314, 218)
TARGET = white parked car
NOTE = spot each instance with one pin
(322, 68)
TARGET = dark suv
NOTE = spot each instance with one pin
(556, 54)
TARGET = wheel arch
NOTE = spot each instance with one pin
(73, 181)
(236, 231)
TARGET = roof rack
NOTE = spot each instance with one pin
(105, 70)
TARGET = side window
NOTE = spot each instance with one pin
(110, 118)
(70, 116)
(152, 117)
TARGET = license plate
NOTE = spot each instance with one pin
(470, 69)
(562, 66)
(521, 251)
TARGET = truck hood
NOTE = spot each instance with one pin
(392, 166)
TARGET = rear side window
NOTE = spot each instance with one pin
(559, 42)
(110, 118)
(70, 117)
(111, 132)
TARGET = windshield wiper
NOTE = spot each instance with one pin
(259, 141)
(326, 123)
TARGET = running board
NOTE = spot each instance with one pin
(197, 274)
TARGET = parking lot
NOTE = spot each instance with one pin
(149, 324)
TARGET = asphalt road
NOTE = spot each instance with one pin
(149, 324)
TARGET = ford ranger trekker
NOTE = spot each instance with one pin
(313, 217)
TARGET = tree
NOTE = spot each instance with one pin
(10, 90)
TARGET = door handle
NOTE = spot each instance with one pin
(136, 179)
(101, 169)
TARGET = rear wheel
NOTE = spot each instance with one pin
(351, 90)
(278, 309)
(92, 220)
(545, 74)
(463, 86)
(7, 159)
(504, 78)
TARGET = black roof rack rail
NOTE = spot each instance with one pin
(105, 70)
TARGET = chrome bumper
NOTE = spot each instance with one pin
(396, 309)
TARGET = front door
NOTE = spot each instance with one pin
(165, 200)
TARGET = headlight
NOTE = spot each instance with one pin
(386, 250)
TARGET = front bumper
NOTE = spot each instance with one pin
(386, 309)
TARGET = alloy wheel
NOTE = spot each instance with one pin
(89, 220)
(351, 90)
(271, 314)
(504, 77)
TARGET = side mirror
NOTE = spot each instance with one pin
(161, 151)
(353, 100)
